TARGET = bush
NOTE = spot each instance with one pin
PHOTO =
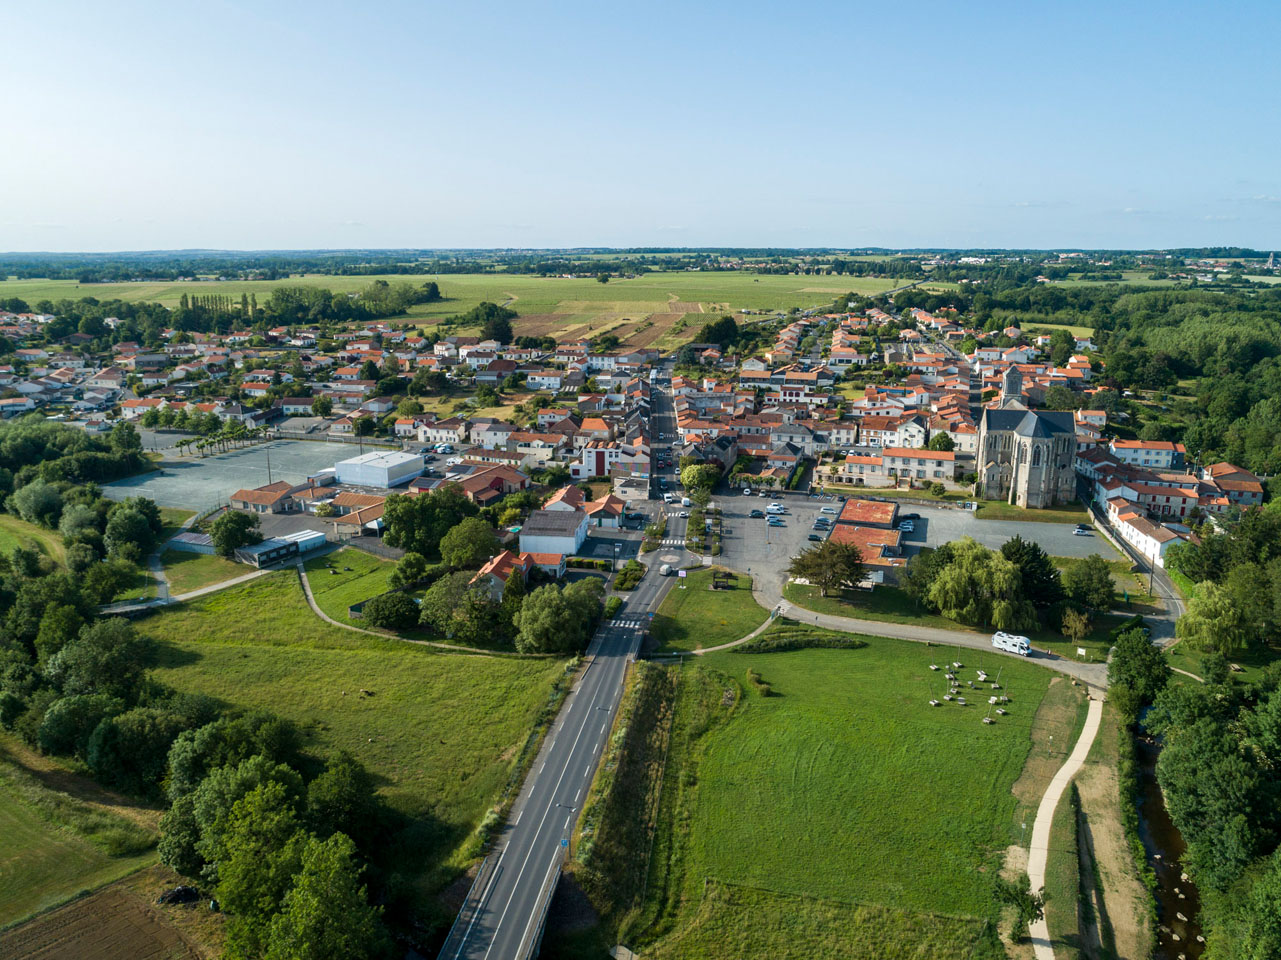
(392, 611)
(612, 606)
(757, 681)
(800, 638)
(630, 576)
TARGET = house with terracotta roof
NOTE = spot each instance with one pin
(493, 577)
(605, 512)
(1241, 487)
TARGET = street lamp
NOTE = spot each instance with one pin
(617, 547)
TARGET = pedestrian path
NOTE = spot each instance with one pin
(1040, 850)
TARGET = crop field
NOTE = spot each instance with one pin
(662, 309)
(843, 798)
(441, 732)
(55, 846)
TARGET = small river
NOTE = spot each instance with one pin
(1177, 939)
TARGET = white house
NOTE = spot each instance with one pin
(554, 531)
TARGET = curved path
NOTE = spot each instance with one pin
(1092, 674)
(1040, 850)
(315, 608)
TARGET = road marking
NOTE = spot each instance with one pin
(578, 794)
(551, 806)
(480, 901)
(525, 936)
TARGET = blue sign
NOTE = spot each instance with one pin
(564, 842)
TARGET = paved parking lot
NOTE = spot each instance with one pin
(755, 547)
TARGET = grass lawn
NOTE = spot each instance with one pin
(47, 855)
(694, 616)
(1000, 510)
(360, 576)
(16, 532)
(840, 817)
(891, 604)
(1131, 589)
(188, 571)
(441, 732)
(1252, 662)
(141, 586)
(173, 519)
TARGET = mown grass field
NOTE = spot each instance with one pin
(441, 732)
(696, 616)
(44, 859)
(190, 571)
(840, 817)
(350, 577)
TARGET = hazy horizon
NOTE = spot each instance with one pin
(291, 126)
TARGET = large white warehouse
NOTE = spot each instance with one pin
(381, 469)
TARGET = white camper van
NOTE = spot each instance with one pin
(1011, 643)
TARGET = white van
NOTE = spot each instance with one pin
(685, 501)
(667, 498)
(1011, 643)
(774, 508)
(665, 570)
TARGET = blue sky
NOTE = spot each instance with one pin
(271, 124)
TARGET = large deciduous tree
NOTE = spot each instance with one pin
(469, 543)
(829, 566)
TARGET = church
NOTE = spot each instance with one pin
(1026, 457)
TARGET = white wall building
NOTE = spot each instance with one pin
(381, 468)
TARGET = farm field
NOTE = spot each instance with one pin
(656, 309)
(697, 617)
(793, 835)
(441, 732)
(49, 855)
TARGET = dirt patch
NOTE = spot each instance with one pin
(55, 777)
(684, 306)
(1057, 719)
(1124, 898)
(540, 324)
(115, 924)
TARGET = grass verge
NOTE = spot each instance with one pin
(187, 571)
(694, 616)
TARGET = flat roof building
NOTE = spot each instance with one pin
(385, 468)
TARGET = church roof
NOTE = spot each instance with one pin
(1029, 423)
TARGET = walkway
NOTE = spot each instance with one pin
(315, 608)
(1040, 850)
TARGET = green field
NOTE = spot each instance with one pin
(693, 616)
(442, 733)
(841, 816)
(190, 571)
(356, 576)
(678, 300)
(16, 532)
(47, 855)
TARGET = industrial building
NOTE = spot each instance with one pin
(380, 469)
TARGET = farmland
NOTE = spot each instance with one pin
(440, 732)
(655, 309)
(783, 830)
(55, 844)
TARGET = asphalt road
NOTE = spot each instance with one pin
(501, 919)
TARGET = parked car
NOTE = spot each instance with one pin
(906, 526)
(815, 537)
(910, 516)
(828, 510)
(683, 513)
(757, 514)
(1081, 531)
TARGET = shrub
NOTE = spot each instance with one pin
(799, 638)
(757, 681)
(630, 576)
(392, 611)
(612, 606)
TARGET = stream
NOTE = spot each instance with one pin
(1176, 939)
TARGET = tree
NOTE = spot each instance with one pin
(980, 587)
(700, 476)
(128, 534)
(723, 332)
(69, 723)
(1213, 622)
(326, 914)
(392, 611)
(1041, 582)
(545, 622)
(513, 598)
(229, 741)
(322, 407)
(179, 835)
(259, 852)
(79, 522)
(498, 325)
(232, 530)
(419, 523)
(342, 800)
(128, 751)
(1075, 624)
(941, 441)
(1139, 664)
(585, 598)
(1028, 906)
(469, 543)
(602, 278)
(369, 371)
(411, 568)
(125, 438)
(107, 656)
(38, 502)
(1088, 582)
(829, 566)
(59, 626)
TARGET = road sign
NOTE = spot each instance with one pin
(564, 841)
(680, 573)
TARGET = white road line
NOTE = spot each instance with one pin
(578, 794)
(550, 807)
